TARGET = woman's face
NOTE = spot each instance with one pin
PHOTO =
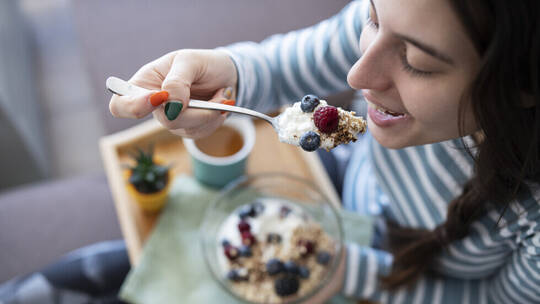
(417, 61)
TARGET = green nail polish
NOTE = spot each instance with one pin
(173, 109)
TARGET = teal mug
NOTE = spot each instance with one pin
(216, 169)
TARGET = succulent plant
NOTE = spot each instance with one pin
(146, 175)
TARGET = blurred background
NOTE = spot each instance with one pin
(54, 58)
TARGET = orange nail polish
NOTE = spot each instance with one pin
(229, 103)
(158, 98)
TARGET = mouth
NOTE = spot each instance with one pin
(380, 108)
(387, 112)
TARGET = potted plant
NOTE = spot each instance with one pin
(149, 180)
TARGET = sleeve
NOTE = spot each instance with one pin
(285, 67)
(517, 281)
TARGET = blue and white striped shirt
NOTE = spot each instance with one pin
(495, 263)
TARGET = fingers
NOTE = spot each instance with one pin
(191, 119)
(136, 106)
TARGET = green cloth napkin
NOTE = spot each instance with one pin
(172, 268)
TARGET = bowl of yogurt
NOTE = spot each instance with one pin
(271, 238)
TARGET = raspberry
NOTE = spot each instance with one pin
(231, 252)
(326, 119)
(306, 247)
(243, 226)
(247, 238)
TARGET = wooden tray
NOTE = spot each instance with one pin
(268, 155)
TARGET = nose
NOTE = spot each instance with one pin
(371, 71)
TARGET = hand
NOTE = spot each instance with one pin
(334, 285)
(184, 74)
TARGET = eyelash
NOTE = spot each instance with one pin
(411, 70)
(403, 56)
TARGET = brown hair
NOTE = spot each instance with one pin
(505, 98)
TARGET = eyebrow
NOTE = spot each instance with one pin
(422, 46)
(426, 48)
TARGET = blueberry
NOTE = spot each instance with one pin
(309, 102)
(291, 267)
(233, 275)
(237, 275)
(246, 211)
(225, 243)
(258, 207)
(286, 285)
(273, 238)
(303, 272)
(323, 257)
(310, 141)
(274, 266)
(245, 251)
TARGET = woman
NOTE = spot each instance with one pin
(451, 161)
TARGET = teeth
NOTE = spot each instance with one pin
(384, 111)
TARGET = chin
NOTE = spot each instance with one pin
(391, 143)
(388, 139)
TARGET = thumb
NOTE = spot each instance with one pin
(179, 79)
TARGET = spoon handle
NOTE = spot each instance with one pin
(121, 87)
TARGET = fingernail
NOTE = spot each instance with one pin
(158, 98)
(229, 103)
(173, 109)
(228, 92)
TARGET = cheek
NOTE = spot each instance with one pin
(435, 107)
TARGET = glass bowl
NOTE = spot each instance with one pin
(297, 192)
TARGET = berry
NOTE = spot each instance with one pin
(284, 211)
(258, 207)
(247, 238)
(323, 257)
(286, 285)
(233, 275)
(303, 272)
(243, 226)
(308, 103)
(225, 243)
(326, 119)
(310, 141)
(237, 275)
(273, 238)
(274, 266)
(291, 267)
(246, 211)
(245, 251)
(231, 252)
(306, 247)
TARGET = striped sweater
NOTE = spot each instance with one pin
(498, 262)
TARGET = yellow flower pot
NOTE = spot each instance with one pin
(149, 202)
